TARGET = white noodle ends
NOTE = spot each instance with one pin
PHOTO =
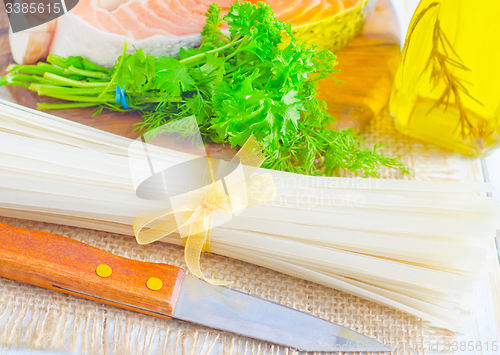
(415, 246)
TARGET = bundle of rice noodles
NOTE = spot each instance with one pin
(415, 246)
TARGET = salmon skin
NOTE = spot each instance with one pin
(97, 29)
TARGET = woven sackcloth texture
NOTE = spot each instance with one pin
(38, 318)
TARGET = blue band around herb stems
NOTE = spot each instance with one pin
(120, 96)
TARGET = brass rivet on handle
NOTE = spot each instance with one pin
(154, 283)
(103, 270)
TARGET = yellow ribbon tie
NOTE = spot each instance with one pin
(194, 220)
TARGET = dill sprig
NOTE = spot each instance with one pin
(239, 84)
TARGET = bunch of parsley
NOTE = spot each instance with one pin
(239, 84)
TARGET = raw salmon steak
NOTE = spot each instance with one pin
(98, 29)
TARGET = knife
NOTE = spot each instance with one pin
(58, 263)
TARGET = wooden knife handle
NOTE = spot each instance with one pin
(65, 265)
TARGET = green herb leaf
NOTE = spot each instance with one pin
(247, 83)
(137, 74)
(172, 76)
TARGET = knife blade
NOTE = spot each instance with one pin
(66, 265)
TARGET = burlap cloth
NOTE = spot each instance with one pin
(39, 318)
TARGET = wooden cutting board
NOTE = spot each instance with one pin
(367, 68)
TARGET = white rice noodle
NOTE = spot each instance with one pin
(415, 246)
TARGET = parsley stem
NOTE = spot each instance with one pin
(5, 81)
(39, 69)
(117, 69)
(68, 82)
(198, 59)
(88, 73)
(223, 37)
(12, 67)
(244, 40)
(77, 98)
(50, 68)
(44, 106)
(62, 90)
(15, 79)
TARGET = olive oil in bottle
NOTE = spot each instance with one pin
(447, 88)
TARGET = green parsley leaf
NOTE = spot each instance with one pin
(237, 85)
(172, 76)
(136, 75)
